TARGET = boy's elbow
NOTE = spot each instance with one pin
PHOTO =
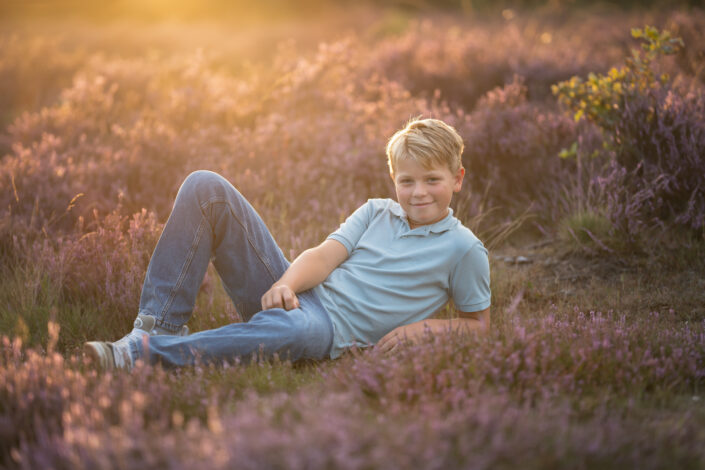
(478, 322)
(485, 327)
(480, 327)
(485, 320)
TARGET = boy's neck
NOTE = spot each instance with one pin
(413, 225)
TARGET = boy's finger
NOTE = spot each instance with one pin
(271, 300)
(291, 301)
(384, 344)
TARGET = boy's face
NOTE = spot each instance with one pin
(425, 193)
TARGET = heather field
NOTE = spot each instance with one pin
(584, 129)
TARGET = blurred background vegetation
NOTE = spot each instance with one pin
(269, 9)
(106, 108)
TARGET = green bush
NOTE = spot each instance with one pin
(654, 138)
(600, 98)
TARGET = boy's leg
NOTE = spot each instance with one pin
(210, 220)
(302, 333)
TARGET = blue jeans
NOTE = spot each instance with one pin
(211, 220)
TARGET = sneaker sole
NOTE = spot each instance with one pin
(96, 353)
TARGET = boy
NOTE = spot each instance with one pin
(374, 281)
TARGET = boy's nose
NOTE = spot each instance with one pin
(420, 190)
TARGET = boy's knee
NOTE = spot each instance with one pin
(199, 179)
(203, 184)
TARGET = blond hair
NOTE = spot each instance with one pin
(428, 142)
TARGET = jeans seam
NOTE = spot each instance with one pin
(184, 270)
(262, 258)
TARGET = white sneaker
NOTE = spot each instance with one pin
(106, 356)
(117, 355)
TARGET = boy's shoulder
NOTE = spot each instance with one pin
(468, 239)
(463, 238)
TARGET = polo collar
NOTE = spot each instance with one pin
(441, 226)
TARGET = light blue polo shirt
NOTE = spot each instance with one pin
(395, 276)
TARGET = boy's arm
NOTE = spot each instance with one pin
(308, 270)
(466, 322)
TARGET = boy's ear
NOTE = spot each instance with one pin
(459, 179)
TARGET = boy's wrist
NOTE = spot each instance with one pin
(285, 284)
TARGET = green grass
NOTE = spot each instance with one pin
(586, 230)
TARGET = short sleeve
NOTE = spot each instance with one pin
(470, 280)
(350, 231)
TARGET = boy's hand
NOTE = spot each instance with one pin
(468, 322)
(280, 296)
(391, 341)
